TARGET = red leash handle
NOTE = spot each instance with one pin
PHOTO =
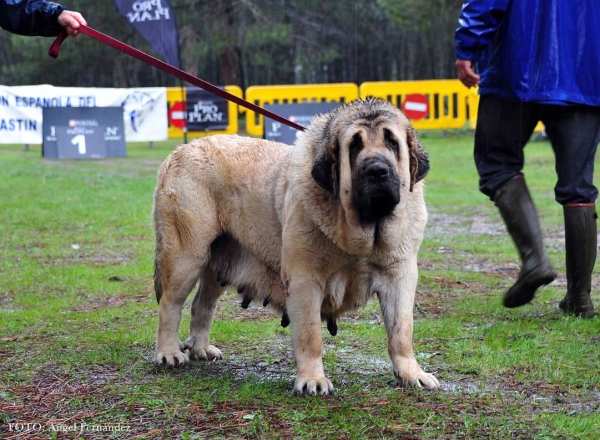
(55, 48)
(171, 70)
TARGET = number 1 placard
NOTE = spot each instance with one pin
(83, 133)
(77, 145)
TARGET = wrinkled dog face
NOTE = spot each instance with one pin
(372, 158)
(373, 153)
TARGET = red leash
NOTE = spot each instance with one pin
(171, 70)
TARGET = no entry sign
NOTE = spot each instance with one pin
(177, 114)
(415, 106)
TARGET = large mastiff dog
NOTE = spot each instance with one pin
(313, 229)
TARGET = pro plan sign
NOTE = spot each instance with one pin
(415, 106)
(83, 132)
(148, 10)
(205, 111)
(155, 21)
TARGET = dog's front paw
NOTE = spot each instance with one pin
(420, 380)
(410, 374)
(313, 386)
(172, 358)
(199, 351)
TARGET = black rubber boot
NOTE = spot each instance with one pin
(522, 222)
(581, 247)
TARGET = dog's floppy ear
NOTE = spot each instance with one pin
(325, 168)
(419, 158)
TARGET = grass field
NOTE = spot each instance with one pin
(78, 319)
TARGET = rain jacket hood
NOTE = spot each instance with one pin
(544, 51)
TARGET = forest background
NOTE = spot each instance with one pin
(253, 42)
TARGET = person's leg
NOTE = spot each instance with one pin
(503, 129)
(574, 132)
(581, 249)
(521, 219)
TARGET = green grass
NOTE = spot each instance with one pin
(78, 320)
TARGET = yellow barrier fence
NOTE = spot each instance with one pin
(175, 109)
(473, 103)
(430, 104)
(294, 94)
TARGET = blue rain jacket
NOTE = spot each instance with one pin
(544, 51)
(30, 17)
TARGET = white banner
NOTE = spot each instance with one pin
(144, 110)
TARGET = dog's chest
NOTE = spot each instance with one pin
(350, 288)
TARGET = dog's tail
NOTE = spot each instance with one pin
(157, 281)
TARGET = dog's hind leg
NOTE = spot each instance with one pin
(203, 310)
(183, 240)
(178, 274)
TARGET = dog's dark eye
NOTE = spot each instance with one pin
(391, 142)
(355, 146)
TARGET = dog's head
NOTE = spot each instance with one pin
(367, 156)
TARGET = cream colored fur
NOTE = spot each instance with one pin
(247, 213)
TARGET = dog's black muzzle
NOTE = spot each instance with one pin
(376, 189)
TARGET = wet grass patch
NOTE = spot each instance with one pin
(78, 320)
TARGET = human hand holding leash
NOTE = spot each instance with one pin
(71, 21)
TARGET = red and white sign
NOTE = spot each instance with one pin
(415, 106)
(177, 114)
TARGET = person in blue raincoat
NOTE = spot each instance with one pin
(537, 60)
(38, 18)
